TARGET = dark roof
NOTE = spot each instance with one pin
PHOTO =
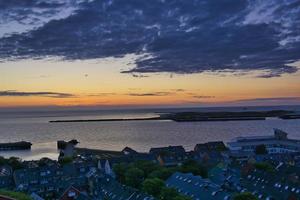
(129, 150)
(196, 187)
(73, 193)
(209, 146)
(169, 149)
(108, 187)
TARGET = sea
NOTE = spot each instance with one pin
(34, 126)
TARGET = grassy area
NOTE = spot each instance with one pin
(14, 195)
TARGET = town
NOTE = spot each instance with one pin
(262, 167)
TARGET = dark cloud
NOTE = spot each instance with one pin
(203, 97)
(179, 90)
(150, 94)
(177, 36)
(139, 75)
(14, 93)
(102, 94)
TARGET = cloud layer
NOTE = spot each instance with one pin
(15, 93)
(176, 36)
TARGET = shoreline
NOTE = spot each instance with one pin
(201, 116)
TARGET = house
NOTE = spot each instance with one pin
(197, 187)
(277, 143)
(72, 193)
(171, 160)
(129, 151)
(169, 156)
(105, 187)
(227, 177)
(6, 178)
(34, 196)
(175, 150)
(50, 182)
(278, 185)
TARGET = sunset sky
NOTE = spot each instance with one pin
(156, 53)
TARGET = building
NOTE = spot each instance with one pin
(105, 187)
(265, 185)
(277, 143)
(175, 150)
(197, 187)
(6, 178)
(73, 193)
(50, 182)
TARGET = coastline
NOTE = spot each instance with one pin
(200, 116)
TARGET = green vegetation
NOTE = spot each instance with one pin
(244, 196)
(193, 167)
(264, 166)
(15, 195)
(261, 149)
(149, 177)
(14, 162)
(134, 176)
(153, 186)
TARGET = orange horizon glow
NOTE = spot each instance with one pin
(100, 83)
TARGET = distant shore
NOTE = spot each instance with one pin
(107, 120)
(201, 116)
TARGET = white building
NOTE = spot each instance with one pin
(277, 143)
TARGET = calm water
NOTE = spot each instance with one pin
(140, 135)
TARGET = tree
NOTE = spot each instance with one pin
(163, 173)
(146, 166)
(261, 149)
(134, 177)
(2, 160)
(120, 170)
(172, 194)
(153, 186)
(192, 166)
(15, 163)
(244, 196)
(168, 193)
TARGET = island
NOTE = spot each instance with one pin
(202, 116)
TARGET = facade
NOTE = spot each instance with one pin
(277, 143)
(6, 179)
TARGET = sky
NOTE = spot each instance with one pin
(149, 53)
